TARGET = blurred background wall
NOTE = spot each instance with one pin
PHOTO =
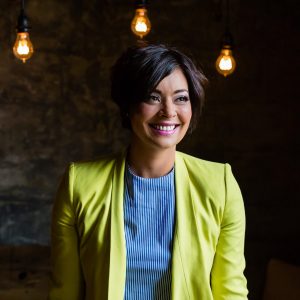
(56, 108)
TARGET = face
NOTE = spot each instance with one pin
(162, 120)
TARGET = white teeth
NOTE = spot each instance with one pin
(165, 128)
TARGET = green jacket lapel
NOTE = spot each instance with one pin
(184, 231)
(117, 263)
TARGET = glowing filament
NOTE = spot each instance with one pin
(141, 26)
(23, 49)
(225, 63)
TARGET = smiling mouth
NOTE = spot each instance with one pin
(165, 128)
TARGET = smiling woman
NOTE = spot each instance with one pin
(161, 121)
(150, 223)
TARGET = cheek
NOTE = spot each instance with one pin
(186, 113)
(146, 111)
(141, 114)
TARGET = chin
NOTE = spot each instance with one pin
(166, 145)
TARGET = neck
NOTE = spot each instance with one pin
(149, 163)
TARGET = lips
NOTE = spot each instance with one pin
(164, 129)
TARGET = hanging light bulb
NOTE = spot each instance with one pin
(225, 63)
(23, 48)
(140, 24)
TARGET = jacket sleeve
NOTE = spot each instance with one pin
(227, 278)
(66, 280)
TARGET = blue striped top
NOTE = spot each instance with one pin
(149, 210)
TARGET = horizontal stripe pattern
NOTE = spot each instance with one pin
(149, 210)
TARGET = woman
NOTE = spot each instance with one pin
(150, 223)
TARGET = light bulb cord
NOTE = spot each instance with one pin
(22, 11)
(227, 37)
(227, 20)
(23, 24)
(141, 3)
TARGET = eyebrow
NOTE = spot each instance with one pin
(175, 92)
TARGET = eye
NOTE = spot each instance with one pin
(182, 99)
(153, 98)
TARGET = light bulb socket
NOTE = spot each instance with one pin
(227, 41)
(140, 3)
(23, 23)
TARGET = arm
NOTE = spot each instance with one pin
(66, 278)
(227, 278)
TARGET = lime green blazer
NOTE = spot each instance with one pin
(88, 241)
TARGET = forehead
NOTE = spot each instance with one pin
(176, 80)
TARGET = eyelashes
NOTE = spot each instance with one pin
(154, 98)
(183, 99)
(157, 99)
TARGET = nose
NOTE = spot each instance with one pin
(168, 109)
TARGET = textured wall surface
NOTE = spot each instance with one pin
(56, 108)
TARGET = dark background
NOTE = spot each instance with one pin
(56, 108)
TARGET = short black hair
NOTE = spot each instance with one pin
(139, 70)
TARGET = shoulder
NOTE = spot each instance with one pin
(205, 175)
(212, 183)
(101, 163)
(98, 171)
(196, 164)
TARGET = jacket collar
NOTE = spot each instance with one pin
(117, 263)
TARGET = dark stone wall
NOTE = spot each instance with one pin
(56, 108)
